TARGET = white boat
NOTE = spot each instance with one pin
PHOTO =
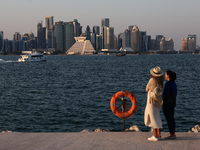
(31, 56)
(2, 61)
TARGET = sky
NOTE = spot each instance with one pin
(172, 18)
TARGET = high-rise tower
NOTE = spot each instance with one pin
(44, 45)
(184, 44)
(87, 33)
(166, 45)
(120, 39)
(104, 24)
(142, 41)
(59, 37)
(130, 27)
(158, 39)
(191, 36)
(110, 37)
(135, 39)
(68, 35)
(48, 22)
(1, 41)
(77, 28)
(126, 39)
(148, 42)
(191, 44)
(96, 30)
(39, 35)
(17, 36)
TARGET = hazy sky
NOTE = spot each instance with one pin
(171, 18)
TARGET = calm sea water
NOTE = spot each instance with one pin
(73, 93)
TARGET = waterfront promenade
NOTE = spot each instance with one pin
(96, 141)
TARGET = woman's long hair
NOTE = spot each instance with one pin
(172, 75)
(159, 80)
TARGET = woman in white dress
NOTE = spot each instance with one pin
(152, 111)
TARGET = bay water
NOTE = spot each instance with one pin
(73, 93)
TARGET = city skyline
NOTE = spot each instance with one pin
(169, 18)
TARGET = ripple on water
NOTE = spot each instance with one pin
(72, 93)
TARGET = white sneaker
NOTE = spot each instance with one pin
(153, 138)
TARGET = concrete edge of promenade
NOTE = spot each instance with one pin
(96, 140)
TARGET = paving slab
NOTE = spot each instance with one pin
(97, 141)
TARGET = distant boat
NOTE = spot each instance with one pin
(2, 61)
(121, 54)
(32, 56)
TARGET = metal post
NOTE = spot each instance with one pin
(124, 123)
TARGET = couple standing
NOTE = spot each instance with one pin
(152, 111)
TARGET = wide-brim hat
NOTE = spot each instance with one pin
(156, 72)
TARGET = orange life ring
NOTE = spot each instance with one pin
(128, 113)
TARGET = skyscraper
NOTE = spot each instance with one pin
(5, 49)
(188, 44)
(142, 40)
(104, 37)
(120, 36)
(77, 28)
(98, 42)
(17, 36)
(50, 38)
(1, 41)
(104, 24)
(68, 35)
(135, 39)
(158, 39)
(32, 41)
(192, 36)
(148, 42)
(25, 39)
(39, 35)
(184, 45)
(130, 27)
(110, 37)
(191, 44)
(95, 34)
(48, 22)
(126, 39)
(115, 42)
(11, 46)
(44, 43)
(96, 30)
(59, 30)
(31, 36)
(87, 33)
(153, 44)
(166, 45)
(93, 39)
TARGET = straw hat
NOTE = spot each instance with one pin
(156, 72)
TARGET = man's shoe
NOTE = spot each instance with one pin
(171, 137)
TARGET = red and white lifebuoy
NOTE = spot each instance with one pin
(119, 113)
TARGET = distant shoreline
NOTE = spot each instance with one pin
(139, 53)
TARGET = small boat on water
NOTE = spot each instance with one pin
(2, 61)
(31, 56)
(121, 54)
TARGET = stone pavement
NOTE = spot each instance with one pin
(96, 141)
